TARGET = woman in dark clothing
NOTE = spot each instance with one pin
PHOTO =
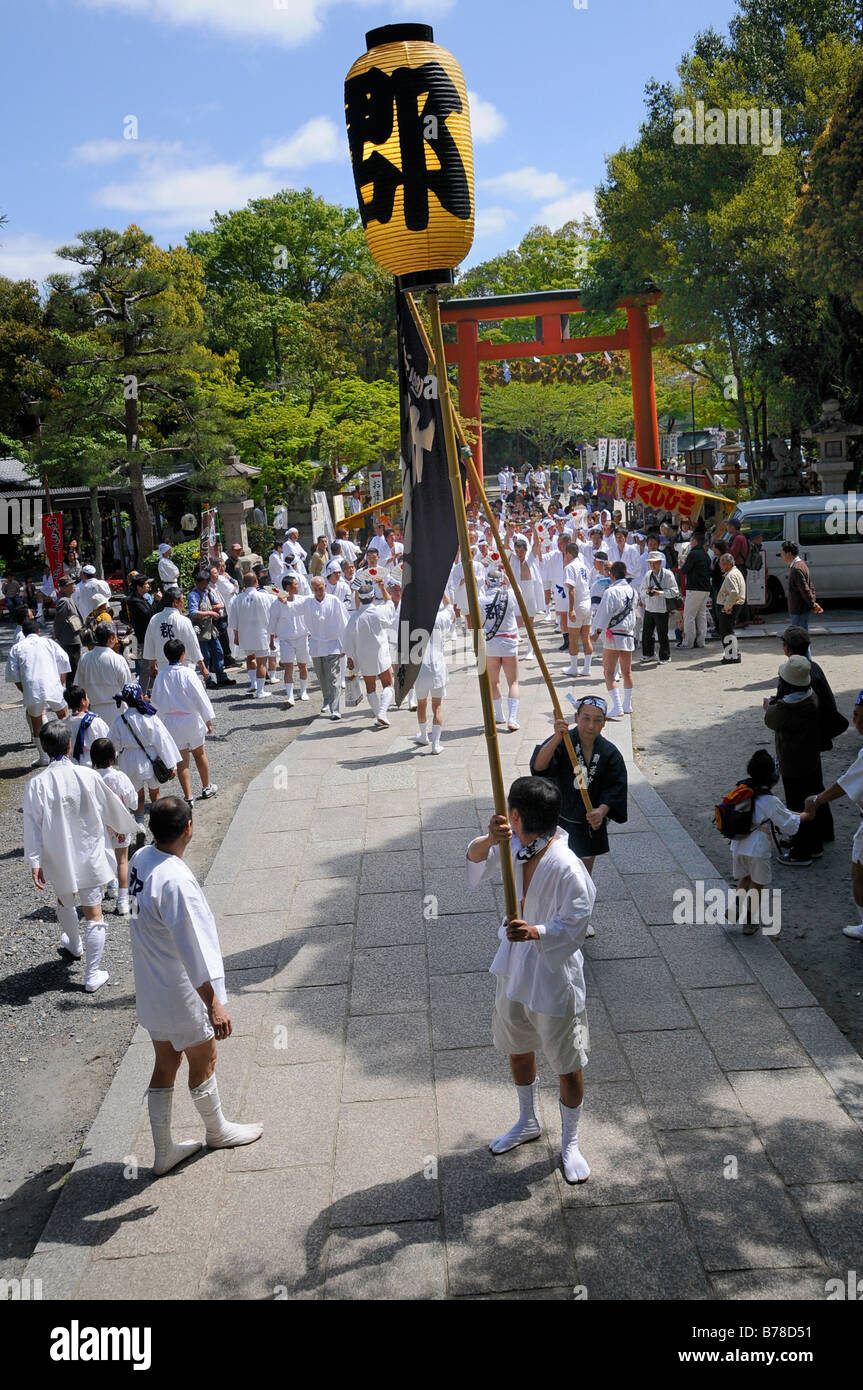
(793, 715)
(603, 771)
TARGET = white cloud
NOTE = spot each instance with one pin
(186, 197)
(285, 22)
(572, 207)
(486, 122)
(319, 141)
(492, 221)
(109, 151)
(29, 256)
(527, 185)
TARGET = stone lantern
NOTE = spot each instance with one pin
(832, 434)
(233, 513)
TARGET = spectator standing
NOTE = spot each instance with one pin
(802, 601)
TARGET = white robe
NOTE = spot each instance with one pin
(97, 728)
(175, 943)
(367, 637)
(533, 589)
(170, 623)
(87, 592)
(168, 572)
(249, 617)
(157, 742)
(66, 810)
(545, 975)
(276, 568)
(103, 672)
(325, 623)
(121, 787)
(184, 706)
(38, 663)
(433, 672)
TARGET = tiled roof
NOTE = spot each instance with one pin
(13, 475)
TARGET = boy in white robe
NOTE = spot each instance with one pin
(104, 760)
(187, 713)
(432, 678)
(286, 623)
(368, 648)
(38, 666)
(83, 725)
(66, 810)
(179, 985)
(139, 736)
(248, 619)
(540, 997)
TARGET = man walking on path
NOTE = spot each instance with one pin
(171, 623)
(540, 995)
(68, 623)
(326, 621)
(179, 986)
(801, 592)
(38, 666)
(249, 617)
(730, 601)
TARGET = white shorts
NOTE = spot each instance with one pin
(119, 841)
(517, 1029)
(617, 644)
(502, 646)
(85, 897)
(35, 711)
(422, 690)
(187, 730)
(758, 867)
(138, 769)
(259, 656)
(857, 847)
(293, 649)
(583, 617)
(561, 600)
(192, 1037)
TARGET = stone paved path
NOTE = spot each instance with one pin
(723, 1116)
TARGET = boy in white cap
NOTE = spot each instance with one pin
(850, 784)
(179, 986)
(66, 811)
(540, 995)
(286, 623)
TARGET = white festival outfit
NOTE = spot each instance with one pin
(287, 624)
(67, 809)
(432, 677)
(554, 573)
(851, 783)
(367, 637)
(751, 854)
(96, 728)
(249, 617)
(615, 616)
(276, 568)
(102, 672)
(183, 704)
(540, 994)
(167, 624)
(532, 589)
(122, 788)
(326, 622)
(37, 664)
(576, 576)
(499, 609)
(87, 592)
(137, 764)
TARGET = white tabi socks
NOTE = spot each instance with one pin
(386, 700)
(512, 720)
(585, 665)
(422, 736)
(70, 936)
(575, 1166)
(253, 680)
(374, 700)
(304, 694)
(526, 1127)
(168, 1154)
(498, 710)
(436, 732)
(220, 1133)
(94, 945)
(616, 708)
(627, 701)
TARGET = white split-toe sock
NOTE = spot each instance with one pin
(422, 736)
(386, 699)
(498, 711)
(220, 1133)
(304, 694)
(585, 666)
(616, 710)
(168, 1154)
(575, 1166)
(94, 945)
(70, 937)
(527, 1127)
(435, 738)
(512, 717)
(627, 701)
(374, 700)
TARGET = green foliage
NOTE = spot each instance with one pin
(830, 212)
(186, 555)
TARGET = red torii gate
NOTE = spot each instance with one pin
(552, 310)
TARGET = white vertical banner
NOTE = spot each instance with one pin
(376, 487)
(613, 445)
(602, 452)
(322, 522)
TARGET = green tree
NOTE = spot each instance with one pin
(830, 211)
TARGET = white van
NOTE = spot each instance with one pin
(835, 560)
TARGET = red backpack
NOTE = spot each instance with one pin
(733, 814)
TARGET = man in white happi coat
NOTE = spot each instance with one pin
(171, 623)
(432, 678)
(554, 574)
(187, 713)
(338, 586)
(577, 580)
(248, 619)
(276, 565)
(66, 811)
(287, 625)
(169, 574)
(326, 620)
(292, 547)
(180, 995)
(368, 646)
(103, 671)
(38, 666)
(540, 995)
(89, 589)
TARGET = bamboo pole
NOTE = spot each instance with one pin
(516, 587)
(493, 749)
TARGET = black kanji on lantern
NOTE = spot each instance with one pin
(374, 100)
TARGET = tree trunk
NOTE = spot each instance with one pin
(96, 521)
(134, 468)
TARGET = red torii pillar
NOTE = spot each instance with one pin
(551, 309)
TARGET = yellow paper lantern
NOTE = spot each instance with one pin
(408, 125)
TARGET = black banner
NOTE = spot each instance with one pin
(431, 540)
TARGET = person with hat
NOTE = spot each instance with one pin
(232, 563)
(850, 784)
(656, 588)
(341, 589)
(792, 714)
(68, 623)
(168, 571)
(729, 600)
(367, 646)
(88, 590)
(276, 564)
(292, 547)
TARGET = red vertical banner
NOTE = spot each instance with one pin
(52, 532)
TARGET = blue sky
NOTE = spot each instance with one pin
(237, 98)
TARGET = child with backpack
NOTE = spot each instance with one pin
(747, 816)
(104, 761)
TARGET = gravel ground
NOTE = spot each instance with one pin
(695, 725)
(59, 1048)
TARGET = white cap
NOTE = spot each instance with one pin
(333, 568)
(88, 569)
(292, 531)
(163, 549)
